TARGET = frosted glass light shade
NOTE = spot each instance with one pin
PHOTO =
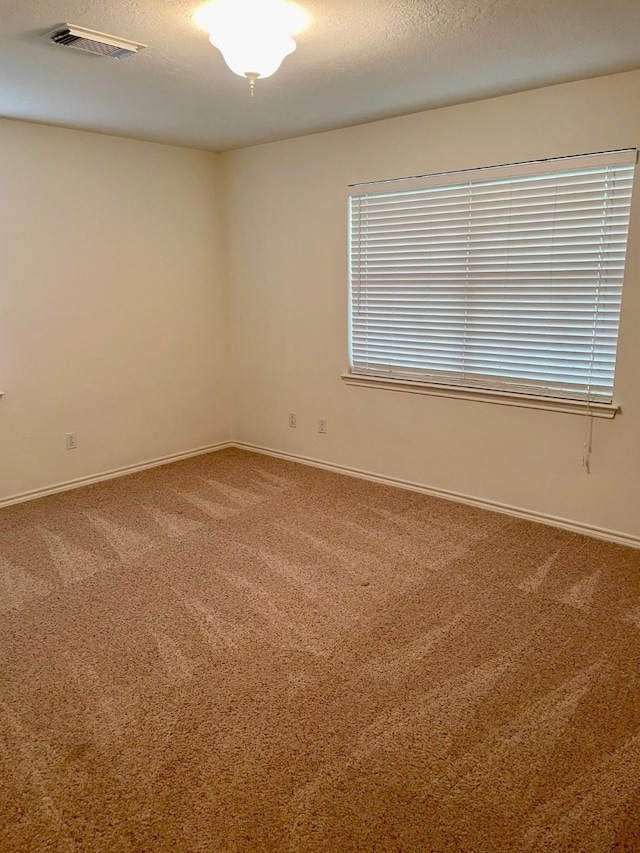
(250, 52)
(254, 36)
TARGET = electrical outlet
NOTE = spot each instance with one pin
(322, 426)
(293, 420)
(72, 441)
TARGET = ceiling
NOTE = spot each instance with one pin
(358, 60)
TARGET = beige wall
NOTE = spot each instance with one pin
(112, 311)
(287, 260)
(115, 257)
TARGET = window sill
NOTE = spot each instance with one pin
(501, 398)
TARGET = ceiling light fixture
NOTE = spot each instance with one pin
(254, 36)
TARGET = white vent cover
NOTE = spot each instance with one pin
(91, 41)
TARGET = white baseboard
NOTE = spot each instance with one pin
(495, 506)
(112, 474)
(517, 512)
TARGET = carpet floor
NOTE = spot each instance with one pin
(238, 653)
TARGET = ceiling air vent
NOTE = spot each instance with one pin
(90, 41)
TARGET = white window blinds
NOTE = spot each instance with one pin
(507, 279)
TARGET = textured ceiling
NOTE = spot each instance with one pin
(357, 61)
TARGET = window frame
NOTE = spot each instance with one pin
(504, 396)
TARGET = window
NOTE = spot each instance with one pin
(505, 280)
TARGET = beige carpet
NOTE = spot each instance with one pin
(236, 653)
